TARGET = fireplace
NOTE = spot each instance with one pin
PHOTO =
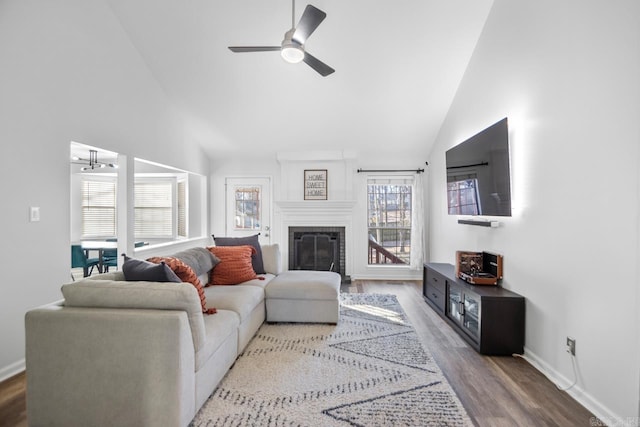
(317, 248)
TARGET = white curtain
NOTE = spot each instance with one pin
(417, 224)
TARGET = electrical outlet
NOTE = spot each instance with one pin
(571, 346)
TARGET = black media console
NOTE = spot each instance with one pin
(489, 318)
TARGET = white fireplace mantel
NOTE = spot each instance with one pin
(317, 213)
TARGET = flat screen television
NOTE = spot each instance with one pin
(478, 174)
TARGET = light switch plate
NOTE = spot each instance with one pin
(34, 214)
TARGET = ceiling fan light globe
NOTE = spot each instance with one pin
(292, 54)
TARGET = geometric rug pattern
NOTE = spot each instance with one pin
(369, 370)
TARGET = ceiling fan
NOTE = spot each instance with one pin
(292, 47)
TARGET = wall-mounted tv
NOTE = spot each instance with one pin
(478, 174)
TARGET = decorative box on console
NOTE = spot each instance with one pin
(479, 268)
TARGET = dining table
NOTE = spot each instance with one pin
(99, 246)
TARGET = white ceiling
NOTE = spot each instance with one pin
(398, 65)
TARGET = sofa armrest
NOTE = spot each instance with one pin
(83, 363)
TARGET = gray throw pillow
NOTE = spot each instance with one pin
(256, 259)
(139, 270)
(199, 259)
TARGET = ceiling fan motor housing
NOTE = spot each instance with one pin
(291, 51)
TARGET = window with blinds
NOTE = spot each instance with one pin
(161, 208)
(154, 214)
(389, 219)
(98, 208)
(182, 208)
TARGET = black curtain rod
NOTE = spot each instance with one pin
(391, 170)
(469, 166)
(394, 170)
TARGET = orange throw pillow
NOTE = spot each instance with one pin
(185, 274)
(235, 265)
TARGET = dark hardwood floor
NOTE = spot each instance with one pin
(13, 407)
(496, 391)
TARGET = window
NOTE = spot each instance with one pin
(389, 202)
(98, 208)
(160, 208)
(154, 213)
(182, 208)
(166, 205)
(247, 209)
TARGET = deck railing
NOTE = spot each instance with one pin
(380, 255)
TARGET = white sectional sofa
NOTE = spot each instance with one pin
(128, 353)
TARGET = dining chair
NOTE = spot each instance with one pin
(80, 259)
(109, 257)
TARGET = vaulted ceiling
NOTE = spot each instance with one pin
(398, 65)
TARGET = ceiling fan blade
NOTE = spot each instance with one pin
(311, 18)
(317, 65)
(240, 49)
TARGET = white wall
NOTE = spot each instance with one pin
(68, 73)
(566, 76)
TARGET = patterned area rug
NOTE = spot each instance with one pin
(369, 370)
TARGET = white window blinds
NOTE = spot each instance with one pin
(182, 208)
(154, 209)
(98, 208)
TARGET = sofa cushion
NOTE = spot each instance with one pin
(235, 265)
(199, 259)
(261, 281)
(141, 270)
(186, 274)
(256, 257)
(305, 285)
(142, 295)
(217, 329)
(240, 299)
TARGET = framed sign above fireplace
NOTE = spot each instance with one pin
(315, 184)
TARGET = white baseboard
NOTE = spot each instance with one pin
(576, 392)
(11, 370)
(391, 274)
